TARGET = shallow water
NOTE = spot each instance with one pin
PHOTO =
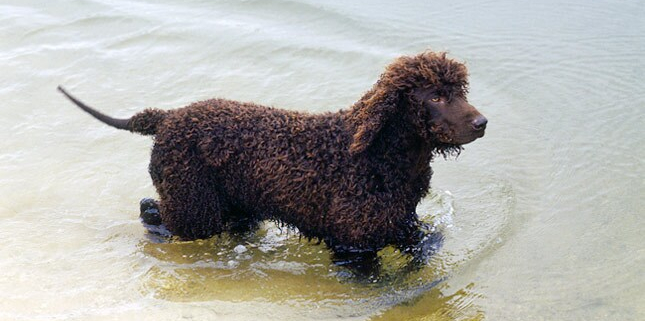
(542, 217)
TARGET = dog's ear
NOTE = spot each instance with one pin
(372, 116)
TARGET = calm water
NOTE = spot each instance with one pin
(543, 217)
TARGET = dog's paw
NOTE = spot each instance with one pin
(149, 212)
(148, 203)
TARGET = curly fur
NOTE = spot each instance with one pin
(352, 178)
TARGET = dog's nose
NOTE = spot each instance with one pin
(480, 123)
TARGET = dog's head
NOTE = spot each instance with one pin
(429, 91)
(446, 117)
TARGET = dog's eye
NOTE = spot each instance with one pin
(435, 99)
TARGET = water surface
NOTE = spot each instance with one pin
(542, 217)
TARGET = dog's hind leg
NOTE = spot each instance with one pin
(189, 204)
(190, 207)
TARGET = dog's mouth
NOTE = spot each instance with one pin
(469, 138)
(477, 134)
(451, 137)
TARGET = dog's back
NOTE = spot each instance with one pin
(271, 163)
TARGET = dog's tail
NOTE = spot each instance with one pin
(144, 123)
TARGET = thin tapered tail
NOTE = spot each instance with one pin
(114, 122)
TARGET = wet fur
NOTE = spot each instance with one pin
(352, 178)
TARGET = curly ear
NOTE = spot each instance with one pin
(373, 115)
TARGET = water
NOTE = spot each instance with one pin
(542, 217)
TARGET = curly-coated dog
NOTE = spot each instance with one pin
(352, 178)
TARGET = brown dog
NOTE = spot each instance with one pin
(352, 178)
